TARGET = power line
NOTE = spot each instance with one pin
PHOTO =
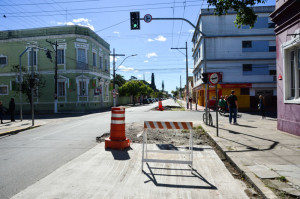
(99, 12)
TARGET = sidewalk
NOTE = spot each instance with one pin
(9, 127)
(259, 151)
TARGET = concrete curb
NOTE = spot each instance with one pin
(18, 130)
(242, 173)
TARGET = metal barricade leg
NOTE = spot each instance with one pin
(143, 150)
(146, 133)
(191, 144)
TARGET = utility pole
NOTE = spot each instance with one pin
(55, 74)
(187, 73)
(114, 74)
(180, 88)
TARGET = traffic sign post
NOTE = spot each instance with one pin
(214, 79)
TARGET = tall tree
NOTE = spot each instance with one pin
(119, 80)
(152, 85)
(135, 88)
(245, 15)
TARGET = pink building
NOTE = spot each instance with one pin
(287, 19)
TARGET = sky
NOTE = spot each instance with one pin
(110, 20)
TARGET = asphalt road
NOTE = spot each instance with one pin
(30, 156)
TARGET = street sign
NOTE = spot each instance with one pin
(147, 18)
(214, 78)
(114, 91)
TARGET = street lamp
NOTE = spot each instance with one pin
(114, 72)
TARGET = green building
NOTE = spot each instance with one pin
(83, 75)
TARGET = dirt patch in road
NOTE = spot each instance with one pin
(134, 132)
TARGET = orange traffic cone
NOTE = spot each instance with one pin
(160, 107)
(117, 139)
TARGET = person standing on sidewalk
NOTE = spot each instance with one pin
(1, 112)
(233, 107)
(261, 106)
(12, 107)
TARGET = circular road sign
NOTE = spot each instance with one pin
(214, 78)
(147, 18)
(114, 91)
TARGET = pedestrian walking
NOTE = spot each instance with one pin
(1, 112)
(12, 107)
(191, 102)
(261, 106)
(232, 103)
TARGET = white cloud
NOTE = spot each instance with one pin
(112, 58)
(191, 31)
(116, 32)
(151, 55)
(139, 76)
(147, 72)
(80, 21)
(190, 70)
(146, 61)
(125, 69)
(150, 40)
(136, 71)
(160, 38)
(185, 60)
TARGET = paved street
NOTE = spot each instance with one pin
(31, 155)
(254, 146)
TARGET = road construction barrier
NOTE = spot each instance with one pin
(168, 125)
(117, 139)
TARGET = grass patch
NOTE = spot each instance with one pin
(282, 179)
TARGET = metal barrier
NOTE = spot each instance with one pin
(167, 125)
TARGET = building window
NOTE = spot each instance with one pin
(247, 67)
(94, 59)
(106, 65)
(272, 48)
(82, 88)
(292, 75)
(271, 25)
(3, 60)
(61, 89)
(247, 44)
(30, 58)
(101, 62)
(245, 91)
(60, 56)
(3, 90)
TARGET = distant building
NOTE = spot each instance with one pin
(287, 19)
(83, 67)
(245, 59)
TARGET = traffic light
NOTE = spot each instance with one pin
(135, 20)
(204, 78)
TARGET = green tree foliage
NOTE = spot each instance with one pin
(119, 80)
(38, 83)
(245, 14)
(135, 88)
(175, 93)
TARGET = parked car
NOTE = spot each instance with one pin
(150, 100)
(146, 101)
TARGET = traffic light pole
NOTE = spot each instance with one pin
(204, 52)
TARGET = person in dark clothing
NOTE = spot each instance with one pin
(261, 106)
(233, 107)
(1, 112)
(12, 107)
